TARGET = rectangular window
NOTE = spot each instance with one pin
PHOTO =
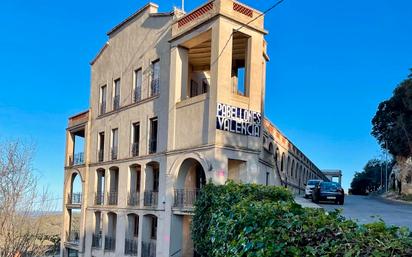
(135, 138)
(154, 85)
(116, 94)
(101, 146)
(115, 142)
(153, 136)
(240, 68)
(102, 100)
(137, 94)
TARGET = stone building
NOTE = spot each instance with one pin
(176, 100)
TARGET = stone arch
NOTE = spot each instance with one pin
(206, 165)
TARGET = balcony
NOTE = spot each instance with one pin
(116, 102)
(74, 198)
(73, 237)
(76, 159)
(150, 198)
(114, 153)
(99, 198)
(154, 87)
(135, 149)
(112, 198)
(100, 155)
(102, 108)
(149, 249)
(185, 198)
(133, 199)
(97, 240)
(109, 243)
(130, 247)
(152, 145)
(137, 95)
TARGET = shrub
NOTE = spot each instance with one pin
(256, 220)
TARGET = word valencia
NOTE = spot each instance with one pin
(238, 120)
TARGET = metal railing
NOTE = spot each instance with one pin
(152, 145)
(185, 198)
(130, 247)
(114, 153)
(137, 94)
(97, 240)
(100, 155)
(116, 102)
(99, 198)
(149, 249)
(73, 236)
(150, 198)
(109, 243)
(74, 198)
(76, 159)
(102, 108)
(135, 149)
(112, 198)
(154, 87)
(133, 199)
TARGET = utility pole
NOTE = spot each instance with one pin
(183, 5)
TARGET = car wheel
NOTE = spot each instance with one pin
(341, 202)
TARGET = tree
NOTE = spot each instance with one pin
(392, 123)
(371, 178)
(22, 203)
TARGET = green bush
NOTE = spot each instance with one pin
(256, 220)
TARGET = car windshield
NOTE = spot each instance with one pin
(329, 185)
(313, 182)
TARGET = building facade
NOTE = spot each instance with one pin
(176, 100)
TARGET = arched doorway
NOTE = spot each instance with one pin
(190, 180)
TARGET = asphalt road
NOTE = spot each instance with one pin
(367, 209)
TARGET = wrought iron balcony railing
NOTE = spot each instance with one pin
(185, 198)
(99, 198)
(154, 87)
(114, 153)
(152, 145)
(112, 198)
(137, 94)
(135, 149)
(76, 159)
(116, 102)
(97, 240)
(149, 249)
(150, 198)
(109, 243)
(73, 237)
(130, 247)
(100, 155)
(74, 198)
(133, 199)
(102, 108)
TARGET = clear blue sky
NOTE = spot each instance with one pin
(331, 63)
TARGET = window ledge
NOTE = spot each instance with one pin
(125, 107)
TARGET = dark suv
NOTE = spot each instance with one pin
(328, 191)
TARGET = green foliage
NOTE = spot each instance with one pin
(370, 178)
(392, 123)
(259, 221)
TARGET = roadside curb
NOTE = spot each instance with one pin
(306, 203)
(384, 199)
